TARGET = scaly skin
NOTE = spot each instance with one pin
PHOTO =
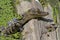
(17, 25)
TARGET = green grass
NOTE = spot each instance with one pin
(17, 36)
(6, 12)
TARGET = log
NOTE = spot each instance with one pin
(35, 29)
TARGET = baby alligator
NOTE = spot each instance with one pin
(16, 25)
